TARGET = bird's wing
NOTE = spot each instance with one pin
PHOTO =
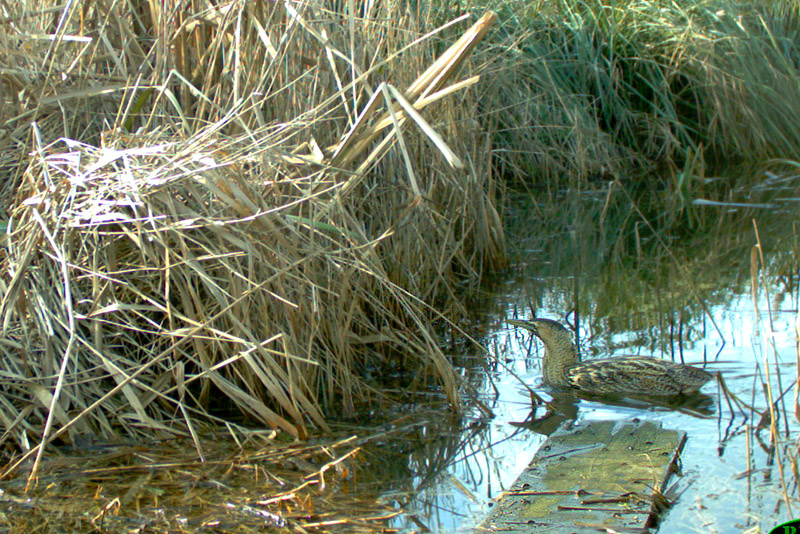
(624, 374)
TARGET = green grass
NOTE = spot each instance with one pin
(588, 89)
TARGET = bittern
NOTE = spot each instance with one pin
(624, 375)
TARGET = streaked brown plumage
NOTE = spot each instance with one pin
(626, 375)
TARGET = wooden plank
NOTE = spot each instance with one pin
(597, 476)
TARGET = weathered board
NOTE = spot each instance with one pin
(597, 476)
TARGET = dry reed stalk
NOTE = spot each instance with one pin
(757, 256)
(179, 261)
(797, 367)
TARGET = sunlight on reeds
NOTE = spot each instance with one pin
(228, 208)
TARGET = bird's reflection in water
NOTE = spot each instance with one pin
(562, 408)
(546, 417)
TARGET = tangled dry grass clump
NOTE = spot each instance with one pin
(231, 206)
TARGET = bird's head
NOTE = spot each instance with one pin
(551, 333)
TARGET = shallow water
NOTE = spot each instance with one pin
(706, 313)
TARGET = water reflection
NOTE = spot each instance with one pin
(723, 293)
(564, 406)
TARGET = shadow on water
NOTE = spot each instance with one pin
(564, 406)
(713, 284)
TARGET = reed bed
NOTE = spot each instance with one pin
(651, 92)
(247, 213)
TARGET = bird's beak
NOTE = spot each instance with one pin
(527, 325)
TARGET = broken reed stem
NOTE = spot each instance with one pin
(428, 82)
(748, 429)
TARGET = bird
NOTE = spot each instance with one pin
(624, 375)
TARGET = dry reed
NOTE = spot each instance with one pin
(163, 487)
(181, 241)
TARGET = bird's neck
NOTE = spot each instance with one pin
(558, 357)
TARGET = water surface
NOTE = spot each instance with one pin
(708, 295)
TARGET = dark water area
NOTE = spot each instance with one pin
(722, 294)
